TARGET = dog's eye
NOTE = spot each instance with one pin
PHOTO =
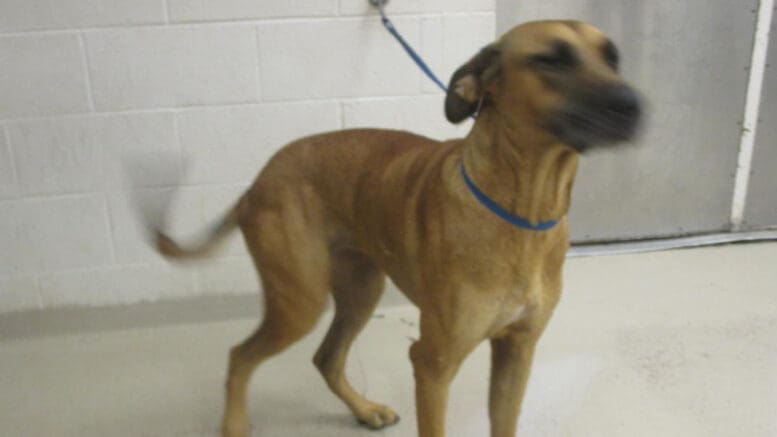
(563, 56)
(611, 56)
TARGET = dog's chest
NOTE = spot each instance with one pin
(517, 300)
(512, 315)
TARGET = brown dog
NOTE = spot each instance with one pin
(337, 212)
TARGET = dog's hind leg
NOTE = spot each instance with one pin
(357, 285)
(294, 263)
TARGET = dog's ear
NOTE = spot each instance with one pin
(468, 84)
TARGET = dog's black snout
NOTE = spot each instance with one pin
(623, 100)
(609, 113)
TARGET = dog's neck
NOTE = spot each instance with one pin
(523, 169)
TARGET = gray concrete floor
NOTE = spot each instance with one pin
(680, 343)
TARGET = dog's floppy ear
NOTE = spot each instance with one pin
(468, 84)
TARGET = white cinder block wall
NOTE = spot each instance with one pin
(108, 104)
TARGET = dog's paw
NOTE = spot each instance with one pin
(378, 417)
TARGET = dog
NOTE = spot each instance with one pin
(473, 231)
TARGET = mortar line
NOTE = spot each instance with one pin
(233, 105)
(341, 108)
(290, 19)
(179, 147)
(109, 220)
(166, 11)
(87, 74)
(258, 72)
(38, 197)
(12, 160)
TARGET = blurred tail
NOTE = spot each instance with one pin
(170, 249)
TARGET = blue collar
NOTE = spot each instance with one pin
(501, 212)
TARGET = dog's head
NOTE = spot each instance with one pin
(561, 76)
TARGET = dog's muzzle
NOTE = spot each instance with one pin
(603, 116)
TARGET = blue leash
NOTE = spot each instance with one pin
(413, 55)
(479, 195)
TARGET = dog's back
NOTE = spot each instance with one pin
(355, 172)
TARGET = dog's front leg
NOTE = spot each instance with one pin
(436, 358)
(434, 370)
(511, 359)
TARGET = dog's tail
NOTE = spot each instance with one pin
(211, 241)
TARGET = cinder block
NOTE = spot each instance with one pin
(196, 208)
(232, 276)
(231, 144)
(336, 58)
(190, 213)
(94, 153)
(449, 41)
(463, 37)
(423, 115)
(431, 50)
(206, 10)
(58, 14)
(115, 285)
(53, 234)
(150, 67)
(132, 214)
(19, 293)
(42, 75)
(9, 188)
(362, 7)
